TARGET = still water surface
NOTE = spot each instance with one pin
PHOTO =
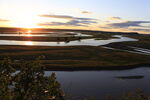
(100, 84)
(84, 42)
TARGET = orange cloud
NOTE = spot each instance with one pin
(3, 20)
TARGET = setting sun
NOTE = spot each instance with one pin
(26, 20)
(26, 24)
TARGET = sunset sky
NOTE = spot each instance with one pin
(107, 15)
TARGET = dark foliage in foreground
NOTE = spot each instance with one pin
(29, 83)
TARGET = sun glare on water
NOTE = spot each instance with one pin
(28, 35)
(29, 43)
(29, 31)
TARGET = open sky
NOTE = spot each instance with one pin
(108, 15)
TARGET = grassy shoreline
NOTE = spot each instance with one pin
(73, 58)
(96, 68)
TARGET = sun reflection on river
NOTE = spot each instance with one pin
(28, 35)
(29, 31)
(28, 43)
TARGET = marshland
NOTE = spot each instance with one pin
(93, 58)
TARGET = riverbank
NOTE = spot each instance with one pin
(95, 68)
(142, 45)
(76, 57)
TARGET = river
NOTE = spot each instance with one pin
(100, 84)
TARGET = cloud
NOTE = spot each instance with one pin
(73, 21)
(118, 23)
(3, 20)
(57, 16)
(113, 23)
(141, 29)
(86, 12)
(65, 17)
(115, 18)
(128, 24)
(69, 23)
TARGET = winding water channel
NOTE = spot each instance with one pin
(84, 42)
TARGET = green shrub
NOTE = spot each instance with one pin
(29, 83)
